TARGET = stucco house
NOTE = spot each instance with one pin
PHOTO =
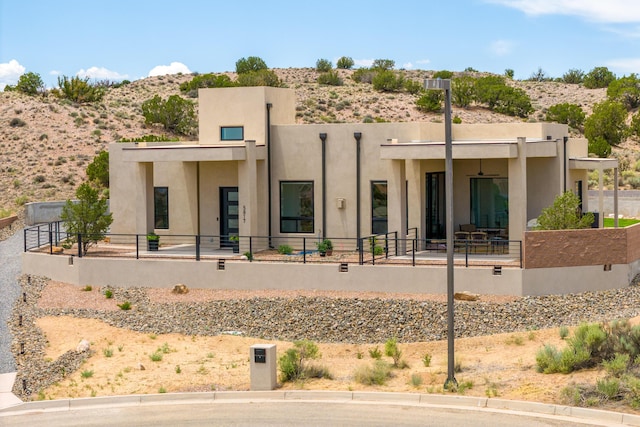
(255, 172)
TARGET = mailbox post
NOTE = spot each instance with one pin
(263, 363)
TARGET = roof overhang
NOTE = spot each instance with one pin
(592, 163)
(481, 149)
(189, 153)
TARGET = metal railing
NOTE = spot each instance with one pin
(386, 248)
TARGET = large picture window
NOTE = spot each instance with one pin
(296, 207)
(232, 133)
(161, 207)
(379, 222)
(490, 202)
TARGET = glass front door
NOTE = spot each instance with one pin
(435, 206)
(228, 214)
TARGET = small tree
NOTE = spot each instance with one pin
(176, 114)
(430, 101)
(293, 364)
(564, 214)
(87, 217)
(383, 64)
(569, 114)
(462, 91)
(252, 63)
(345, 63)
(79, 90)
(509, 73)
(625, 90)
(330, 78)
(30, 84)
(573, 76)
(608, 122)
(599, 77)
(259, 78)
(323, 65)
(98, 169)
(388, 81)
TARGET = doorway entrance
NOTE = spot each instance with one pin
(436, 212)
(229, 225)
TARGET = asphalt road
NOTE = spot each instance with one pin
(301, 413)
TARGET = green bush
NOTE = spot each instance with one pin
(30, 84)
(151, 138)
(387, 81)
(88, 216)
(608, 122)
(413, 87)
(625, 90)
(363, 75)
(442, 74)
(285, 250)
(176, 114)
(293, 363)
(206, 81)
(539, 76)
(125, 306)
(599, 77)
(600, 147)
(426, 360)
(250, 64)
(492, 91)
(98, 169)
(564, 214)
(258, 78)
(377, 374)
(573, 76)
(462, 91)
(430, 101)
(323, 65)
(509, 73)
(617, 365)
(383, 64)
(375, 353)
(345, 63)
(569, 114)
(330, 78)
(79, 90)
(17, 123)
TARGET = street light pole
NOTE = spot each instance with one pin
(445, 84)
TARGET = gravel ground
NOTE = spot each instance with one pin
(10, 269)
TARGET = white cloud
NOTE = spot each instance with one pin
(173, 68)
(363, 62)
(407, 65)
(54, 73)
(631, 65)
(10, 72)
(101, 73)
(613, 11)
(501, 47)
(423, 61)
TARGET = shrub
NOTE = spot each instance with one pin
(509, 73)
(323, 65)
(30, 84)
(564, 332)
(17, 123)
(392, 350)
(156, 356)
(377, 374)
(88, 216)
(330, 78)
(462, 91)
(413, 87)
(442, 74)
(176, 114)
(79, 90)
(625, 90)
(285, 250)
(426, 360)
(125, 306)
(539, 76)
(345, 63)
(108, 352)
(383, 64)
(617, 365)
(564, 214)
(599, 77)
(86, 374)
(293, 363)
(430, 102)
(375, 353)
(258, 78)
(98, 169)
(416, 380)
(606, 122)
(207, 81)
(363, 75)
(108, 293)
(608, 388)
(150, 138)
(387, 81)
(250, 64)
(569, 114)
(573, 76)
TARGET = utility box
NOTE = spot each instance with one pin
(263, 362)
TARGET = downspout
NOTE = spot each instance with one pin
(269, 170)
(358, 136)
(323, 138)
(564, 164)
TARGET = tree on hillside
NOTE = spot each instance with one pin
(176, 114)
(383, 64)
(625, 90)
(87, 217)
(98, 169)
(599, 77)
(564, 214)
(345, 63)
(323, 65)
(30, 84)
(259, 78)
(568, 114)
(573, 76)
(607, 122)
(79, 90)
(252, 63)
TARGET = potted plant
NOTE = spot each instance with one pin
(328, 246)
(322, 248)
(153, 241)
(235, 243)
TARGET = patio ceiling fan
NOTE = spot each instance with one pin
(480, 173)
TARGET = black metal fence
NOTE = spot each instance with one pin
(385, 248)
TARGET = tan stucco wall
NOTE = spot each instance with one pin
(563, 280)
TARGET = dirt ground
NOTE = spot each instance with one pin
(495, 366)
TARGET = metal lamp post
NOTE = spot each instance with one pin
(445, 84)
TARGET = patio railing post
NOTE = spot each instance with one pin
(304, 250)
(521, 260)
(137, 246)
(396, 237)
(360, 252)
(79, 245)
(50, 242)
(251, 248)
(198, 247)
(466, 253)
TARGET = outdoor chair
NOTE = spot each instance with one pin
(479, 240)
(469, 228)
(460, 240)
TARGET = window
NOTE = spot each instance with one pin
(379, 224)
(161, 207)
(296, 207)
(490, 202)
(232, 133)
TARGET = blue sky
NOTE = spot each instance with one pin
(133, 39)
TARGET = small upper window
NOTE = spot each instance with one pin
(232, 133)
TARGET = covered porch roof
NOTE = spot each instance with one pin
(189, 153)
(466, 149)
(596, 163)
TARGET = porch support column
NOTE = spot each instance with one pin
(518, 192)
(397, 204)
(248, 210)
(415, 193)
(615, 197)
(144, 199)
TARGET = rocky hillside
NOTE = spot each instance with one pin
(44, 153)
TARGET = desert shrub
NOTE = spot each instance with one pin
(599, 77)
(430, 101)
(39, 179)
(573, 76)
(363, 75)
(285, 250)
(250, 64)
(323, 65)
(345, 63)
(293, 364)
(548, 359)
(608, 388)
(569, 114)
(625, 90)
(509, 73)
(383, 64)
(634, 127)
(30, 84)
(377, 374)
(587, 348)
(442, 74)
(330, 78)
(607, 122)
(412, 86)
(539, 76)
(108, 293)
(79, 90)
(462, 91)
(392, 350)
(258, 78)
(426, 360)
(375, 353)
(416, 380)
(600, 147)
(176, 114)
(617, 365)
(88, 216)
(98, 169)
(17, 123)
(456, 120)
(206, 81)
(564, 332)
(564, 214)
(387, 81)
(150, 138)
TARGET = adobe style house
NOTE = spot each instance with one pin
(255, 173)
